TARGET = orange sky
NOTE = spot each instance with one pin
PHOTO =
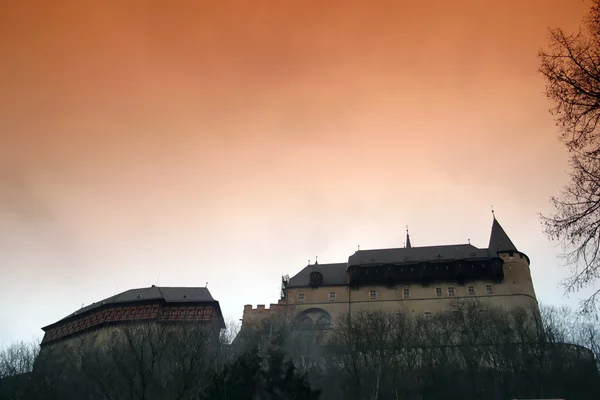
(231, 141)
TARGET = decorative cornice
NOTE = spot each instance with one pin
(122, 313)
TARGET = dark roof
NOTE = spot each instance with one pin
(333, 274)
(411, 255)
(167, 294)
(499, 240)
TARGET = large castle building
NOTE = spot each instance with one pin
(417, 281)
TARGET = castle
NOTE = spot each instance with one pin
(417, 281)
(101, 321)
(412, 281)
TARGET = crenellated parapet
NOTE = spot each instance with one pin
(254, 316)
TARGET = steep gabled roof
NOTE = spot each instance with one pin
(499, 240)
(333, 274)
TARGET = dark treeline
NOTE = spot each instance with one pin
(469, 353)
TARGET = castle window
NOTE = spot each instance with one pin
(331, 296)
(406, 293)
(300, 297)
(489, 289)
(427, 316)
(373, 295)
(316, 279)
(323, 322)
(471, 290)
(438, 292)
(451, 291)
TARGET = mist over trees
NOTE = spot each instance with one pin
(472, 352)
(571, 66)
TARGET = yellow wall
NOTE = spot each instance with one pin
(515, 291)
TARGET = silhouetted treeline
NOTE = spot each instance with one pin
(470, 353)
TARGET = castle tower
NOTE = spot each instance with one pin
(517, 274)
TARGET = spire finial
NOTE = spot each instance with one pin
(469, 241)
(316, 260)
(407, 239)
(358, 247)
(309, 261)
(493, 215)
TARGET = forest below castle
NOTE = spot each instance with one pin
(472, 352)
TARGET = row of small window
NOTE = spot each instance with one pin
(438, 292)
(301, 297)
(406, 293)
(470, 289)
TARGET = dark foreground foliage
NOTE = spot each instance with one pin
(470, 353)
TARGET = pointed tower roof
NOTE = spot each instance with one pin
(499, 240)
(408, 246)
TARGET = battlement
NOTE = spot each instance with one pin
(261, 308)
(253, 316)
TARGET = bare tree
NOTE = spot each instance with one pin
(571, 67)
(470, 352)
(16, 364)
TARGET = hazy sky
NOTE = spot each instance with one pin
(228, 142)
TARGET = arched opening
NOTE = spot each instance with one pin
(314, 318)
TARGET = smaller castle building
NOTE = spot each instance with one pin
(151, 304)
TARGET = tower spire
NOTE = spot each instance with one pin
(499, 240)
(408, 246)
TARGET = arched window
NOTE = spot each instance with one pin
(323, 322)
(305, 319)
(305, 322)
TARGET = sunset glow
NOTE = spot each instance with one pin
(229, 142)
